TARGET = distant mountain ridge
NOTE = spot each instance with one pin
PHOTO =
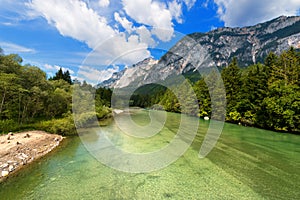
(217, 48)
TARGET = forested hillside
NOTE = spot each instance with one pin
(263, 95)
(28, 100)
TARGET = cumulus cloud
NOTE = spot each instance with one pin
(249, 12)
(97, 23)
(125, 52)
(76, 19)
(156, 15)
(176, 10)
(73, 18)
(126, 24)
(103, 3)
(145, 36)
(15, 48)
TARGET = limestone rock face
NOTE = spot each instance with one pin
(249, 45)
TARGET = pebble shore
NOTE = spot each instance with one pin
(19, 149)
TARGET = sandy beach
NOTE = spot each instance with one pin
(18, 149)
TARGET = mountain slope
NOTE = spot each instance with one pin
(215, 48)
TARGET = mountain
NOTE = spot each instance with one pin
(131, 75)
(249, 45)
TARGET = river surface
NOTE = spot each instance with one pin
(246, 163)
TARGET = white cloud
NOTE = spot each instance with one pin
(249, 12)
(213, 28)
(151, 13)
(176, 10)
(94, 23)
(15, 48)
(189, 3)
(54, 68)
(145, 36)
(19, 10)
(118, 50)
(73, 18)
(127, 25)
(95, 76)
(7, 24)
(104, 3)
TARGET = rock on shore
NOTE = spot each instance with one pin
(20, 149)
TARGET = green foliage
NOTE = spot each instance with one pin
(8, 125)
(63, 126)
(203, 97)
(264, 95)
(29, 101)
(235, 116)
(60, 75)
(232, 81)
(103, 112)
(148, 95)
(103, 97)
(170, 102)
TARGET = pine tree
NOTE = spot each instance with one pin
(67, 77)
(60, 75)
(232, 81)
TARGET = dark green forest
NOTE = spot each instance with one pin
(263, 95)
(28, 100)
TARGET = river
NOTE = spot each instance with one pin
(246, 163)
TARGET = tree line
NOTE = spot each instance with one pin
(263, 95)
(28, 100)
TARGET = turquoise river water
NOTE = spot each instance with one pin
(246, 163)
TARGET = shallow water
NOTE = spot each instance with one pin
(247, 163)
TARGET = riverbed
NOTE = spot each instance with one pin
(246, 163)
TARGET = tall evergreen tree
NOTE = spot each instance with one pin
(60, 75)
(67, 77)
(232, 81)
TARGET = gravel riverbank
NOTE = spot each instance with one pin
(19, 149)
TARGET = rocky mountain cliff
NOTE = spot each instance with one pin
(131, 75)
(215, 48)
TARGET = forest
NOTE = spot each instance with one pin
(30, 100)
(262, 95)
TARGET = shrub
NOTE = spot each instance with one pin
(8, 126)
(85, 119)
(103, 112)
(63, 126)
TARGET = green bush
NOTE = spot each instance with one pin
(8, 126)
(85, 119)
(64, 126)
(234, 116)
(103, 112)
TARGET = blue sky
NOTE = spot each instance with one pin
(94, 38)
